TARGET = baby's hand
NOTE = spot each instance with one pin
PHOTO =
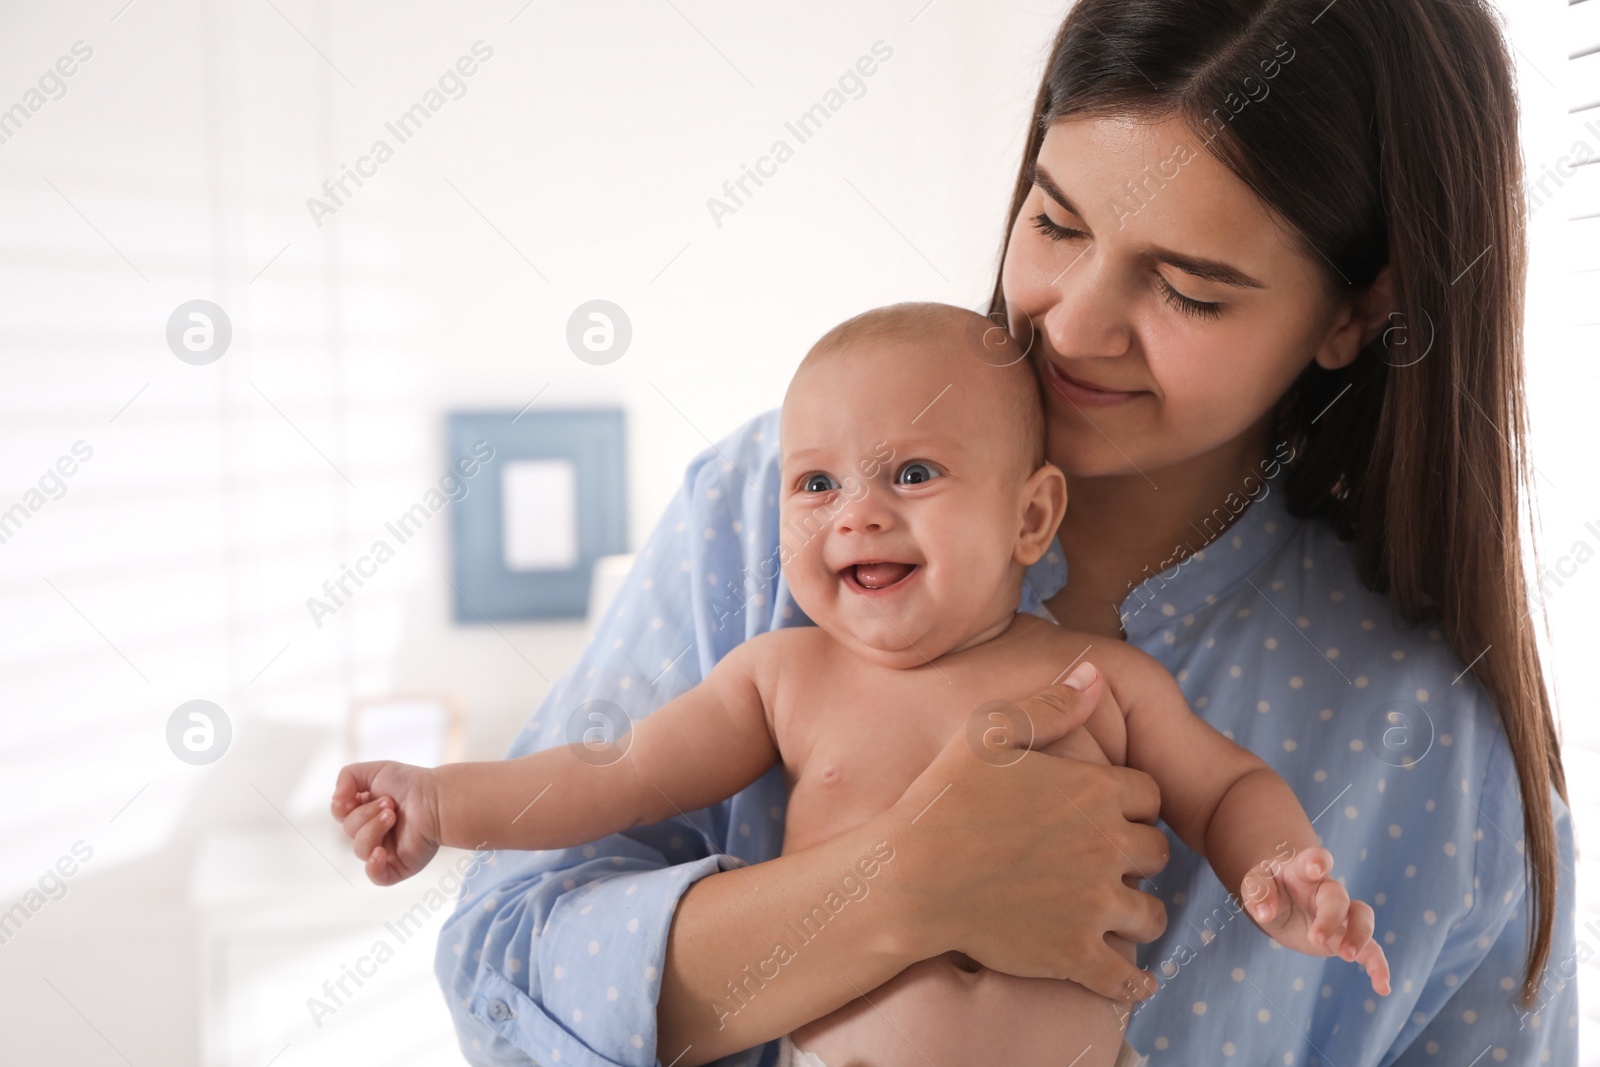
(389, 811)
(1300, 905)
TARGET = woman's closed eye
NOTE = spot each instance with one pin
(1054, 230)
(1200, 309)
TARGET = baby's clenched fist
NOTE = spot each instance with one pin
(389, 812)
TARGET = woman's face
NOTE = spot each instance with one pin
(1167, 306)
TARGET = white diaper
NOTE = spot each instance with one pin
(789, 1056)
(1127, 1057)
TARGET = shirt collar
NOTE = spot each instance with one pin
(1195, 582)
(1188, 586)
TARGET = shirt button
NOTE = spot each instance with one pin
(499, 1011)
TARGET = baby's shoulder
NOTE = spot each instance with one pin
(1112, 655)
(774, 647)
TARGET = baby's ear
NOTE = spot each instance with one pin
(1044, 502)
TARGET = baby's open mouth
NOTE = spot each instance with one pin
(877, 575)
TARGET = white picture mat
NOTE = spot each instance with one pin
(539, 514)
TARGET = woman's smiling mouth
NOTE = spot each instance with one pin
(1082, 394)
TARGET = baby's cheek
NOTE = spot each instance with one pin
(809, 583)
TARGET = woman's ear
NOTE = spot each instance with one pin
(1359, 321)
(1044, 502)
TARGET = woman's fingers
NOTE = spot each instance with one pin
(1107, 973)
(1139, 800)
(1048, 844)
(1147, 849)
(1055, 712)
(1141, 850)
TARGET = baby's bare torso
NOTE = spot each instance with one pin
(853, 737)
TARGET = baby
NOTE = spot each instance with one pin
(914, 495)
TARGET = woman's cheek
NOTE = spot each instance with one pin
(1217, 399)
(1028, 270)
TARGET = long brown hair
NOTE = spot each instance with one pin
(1385, 132)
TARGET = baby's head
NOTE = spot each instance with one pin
(914, 487)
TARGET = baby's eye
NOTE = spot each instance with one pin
(915, 473)
(818, 482)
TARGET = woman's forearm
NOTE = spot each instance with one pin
(756, 952)
(550, 799)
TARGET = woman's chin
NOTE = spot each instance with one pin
(1082, 451)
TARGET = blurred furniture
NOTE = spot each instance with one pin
(609, 574)
(425, 729)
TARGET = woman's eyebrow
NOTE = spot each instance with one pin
(1207, 269)
(1045, 182)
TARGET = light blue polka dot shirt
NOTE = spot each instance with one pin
(555, 957)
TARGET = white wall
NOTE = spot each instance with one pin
(176, 566)
(1560, 99)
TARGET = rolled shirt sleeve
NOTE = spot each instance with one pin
(556, 956)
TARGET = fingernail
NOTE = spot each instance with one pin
(1082, 676)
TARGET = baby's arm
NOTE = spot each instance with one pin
(1226, 803)
(695, 750)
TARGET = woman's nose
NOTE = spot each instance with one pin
(1090, 317)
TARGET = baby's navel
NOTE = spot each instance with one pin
(964, 962)
(830, 774)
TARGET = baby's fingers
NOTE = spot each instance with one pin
(346, 793)
(380, 871)
(1333, 909)
(1262, 897)
(364, 814)
(1376, 964)
(370, 835)
(1360, 920)
(354, 786)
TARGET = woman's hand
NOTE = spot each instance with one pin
(1017, 858)
(390, 813)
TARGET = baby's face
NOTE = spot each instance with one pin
(902, 501)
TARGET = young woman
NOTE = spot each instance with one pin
(1267, 256)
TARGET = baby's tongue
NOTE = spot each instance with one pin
(881, 575)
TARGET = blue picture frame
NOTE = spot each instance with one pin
(594, 442)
